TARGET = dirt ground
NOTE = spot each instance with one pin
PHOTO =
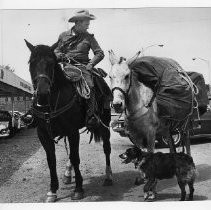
(24, 174)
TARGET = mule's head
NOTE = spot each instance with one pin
(120, 79)
(41, 65)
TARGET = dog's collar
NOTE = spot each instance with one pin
(139, 163)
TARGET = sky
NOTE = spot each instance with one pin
(184, 32)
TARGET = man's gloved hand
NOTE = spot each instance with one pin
(89, 66)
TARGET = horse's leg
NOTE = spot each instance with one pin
(49, 147)
(75, 161)
(187, 142)
(67, 178)
(171, 143)
(150, 148)
(151, 140)
(107, 151)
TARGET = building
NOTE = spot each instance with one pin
(15, 93)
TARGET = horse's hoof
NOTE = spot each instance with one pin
(190, 199)
(108, 182)
(149, 196)
(67, 179)
(139, 181)
(149, 200)
(51, 197)
(77, 195)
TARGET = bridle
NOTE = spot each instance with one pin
(50, 80)
(47, 77)
(36, 79)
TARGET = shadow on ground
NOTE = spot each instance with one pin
(123, 182)
(15, 151)
(124, 188)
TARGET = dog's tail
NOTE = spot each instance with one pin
(192, 173)
(196, 173)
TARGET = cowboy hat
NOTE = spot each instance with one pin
(82, 15)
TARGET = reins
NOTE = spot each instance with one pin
(47, 116)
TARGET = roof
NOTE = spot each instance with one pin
(13, 85)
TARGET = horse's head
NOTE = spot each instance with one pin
(42, 63)
(120, 78)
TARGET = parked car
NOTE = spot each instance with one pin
(6, 128)
(201, 127)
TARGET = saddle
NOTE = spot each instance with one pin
(71, 72)
(74, 74)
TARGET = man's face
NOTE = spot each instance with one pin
(83, 25)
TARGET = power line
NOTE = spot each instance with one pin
(180, 21)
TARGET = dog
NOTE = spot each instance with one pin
(162, 166)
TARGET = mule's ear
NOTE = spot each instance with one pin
(112, 57)
(133, 59)
(54, 46)
(29, 45)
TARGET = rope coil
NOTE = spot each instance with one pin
(80, 85)
(194, 91)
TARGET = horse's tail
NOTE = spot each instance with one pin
(103, 130)
(96, 135)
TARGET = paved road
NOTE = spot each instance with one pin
(24, 175)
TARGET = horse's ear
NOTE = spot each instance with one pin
(29, 45)
(133, 59)
(112, 57)
(54, 46)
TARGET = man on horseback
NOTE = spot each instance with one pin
(73, 46)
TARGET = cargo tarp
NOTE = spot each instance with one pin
(173, 93)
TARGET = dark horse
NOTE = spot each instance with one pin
(60, 111)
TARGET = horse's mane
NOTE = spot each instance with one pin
(40, 51)
(44, 51)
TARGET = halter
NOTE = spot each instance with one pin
(125, 93)
(122, 91)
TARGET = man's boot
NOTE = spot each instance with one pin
(92, 120)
